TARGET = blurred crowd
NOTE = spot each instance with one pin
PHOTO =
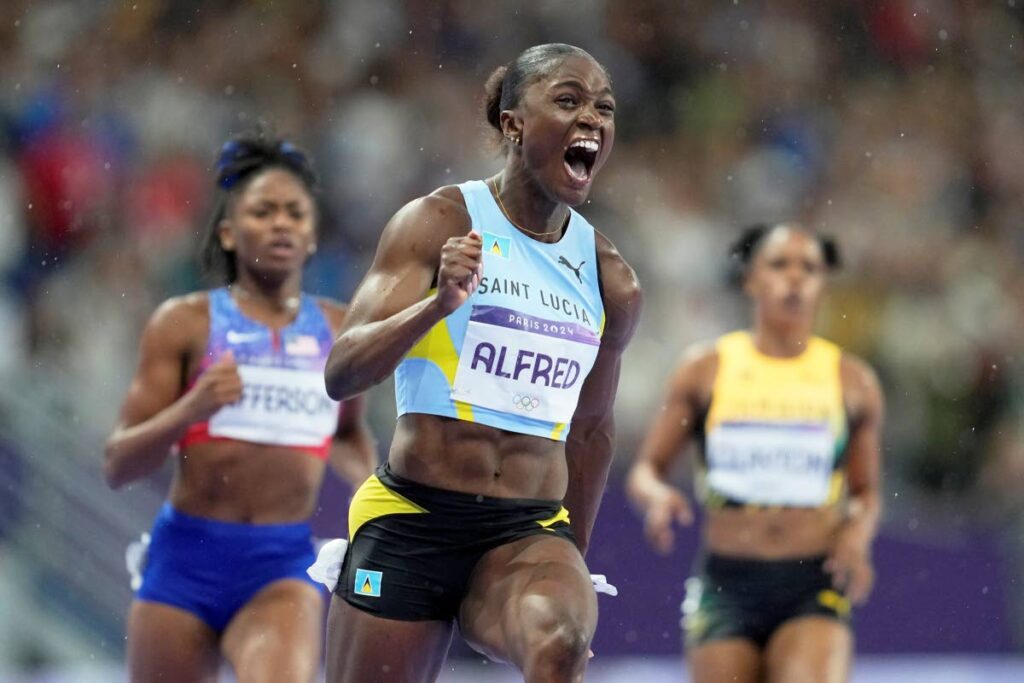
(895, 125)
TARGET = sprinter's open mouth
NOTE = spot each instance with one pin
(580, 158)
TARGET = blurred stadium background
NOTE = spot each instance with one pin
(896, 125)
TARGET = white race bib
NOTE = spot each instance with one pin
(279, 406)
(523, 365)
(771, 464)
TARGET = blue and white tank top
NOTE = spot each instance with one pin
(516, 354)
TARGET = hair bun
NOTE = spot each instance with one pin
(493, 92)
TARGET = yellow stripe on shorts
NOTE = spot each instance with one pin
(562, 516)
(834, 601)
(374, 500)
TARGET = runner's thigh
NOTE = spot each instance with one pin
(812, 649)
(276, 636)
(362, 647)
(522, 592)
(166, 643)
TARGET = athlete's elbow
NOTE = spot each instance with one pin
(594, 434)
(117, 468)
(333, 388)
(113, 470)
(341, 383)
(114, 481)
(336, 375)
(341, 374)
(345, 377)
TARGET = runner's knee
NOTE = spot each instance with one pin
(555, 639)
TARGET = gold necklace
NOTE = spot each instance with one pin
(497, 195)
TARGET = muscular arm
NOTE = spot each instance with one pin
(591, 442)
(153, 417)
(670, 430)
(390, 312)
(867, 407)
(850, 559)
(353, 453)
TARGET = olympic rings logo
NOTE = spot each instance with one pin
(524, 402)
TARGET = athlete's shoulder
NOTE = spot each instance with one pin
(700, 354)
(181, 309)
(696, 368)
(421, 227)
(613, 264)
(620, 288)
(447, 200)
(862, 391)
(180, 318)
(693, 376)
(449, 194)
(444, 207)
(858, 372)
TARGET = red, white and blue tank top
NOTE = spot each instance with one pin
(284, 401)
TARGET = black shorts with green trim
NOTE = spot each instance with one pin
(750, 599)
(413, 548)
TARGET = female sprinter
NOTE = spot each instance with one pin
(789, 426)
(503, 315)
(233, 379)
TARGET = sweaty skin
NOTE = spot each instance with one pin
(529, 602)
(392, 310)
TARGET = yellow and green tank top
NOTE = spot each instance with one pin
(776, 429)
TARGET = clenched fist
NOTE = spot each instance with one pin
(462, 266)
(219, 385)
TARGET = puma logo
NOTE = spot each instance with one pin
(575, 269)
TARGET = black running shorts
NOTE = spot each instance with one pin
(413, 547)
(750, 599)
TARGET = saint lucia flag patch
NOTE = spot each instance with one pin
(496, 245)
(368, 583)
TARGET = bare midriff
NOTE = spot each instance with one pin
(463, 456)
(771, 533)
(235, 481)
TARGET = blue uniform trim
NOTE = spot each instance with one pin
(304, 344)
